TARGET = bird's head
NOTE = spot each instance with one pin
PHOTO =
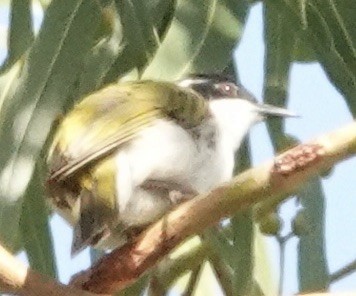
(216, 87)
(234, 107)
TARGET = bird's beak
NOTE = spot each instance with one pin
(269, 110)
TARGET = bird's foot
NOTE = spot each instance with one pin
(176, 192)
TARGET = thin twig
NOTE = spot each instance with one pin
(344, 271)
(287, 237)
(155, 288)
(170, 269)
(223, 274)
(282, 245)
(193, 280)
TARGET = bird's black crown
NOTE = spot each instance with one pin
(216, 86)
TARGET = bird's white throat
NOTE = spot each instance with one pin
(234, 117)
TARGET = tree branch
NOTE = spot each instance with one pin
(272, 182)
(16, 278)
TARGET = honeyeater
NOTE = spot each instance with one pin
(126, 154)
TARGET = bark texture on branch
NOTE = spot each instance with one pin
(18, 279)
(270, 182)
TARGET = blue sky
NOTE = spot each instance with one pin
(322, 109)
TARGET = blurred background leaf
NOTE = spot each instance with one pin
(20, 36)
(190, 44)
(313, 271)
(34, 228)
(43, 87)
(330, 30)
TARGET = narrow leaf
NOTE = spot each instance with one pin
(47, 79)
(140, 39)
(313, 271)
(162, 12)
(9, 236)
(334, 39)
(35, 231)
(103, 55)
(20, 36)
(332, 34)
(278, 57)
(201, 38)
(242, 260)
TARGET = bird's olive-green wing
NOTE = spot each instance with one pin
(106, 119)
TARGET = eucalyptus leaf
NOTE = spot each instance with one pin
(140, 38)
(313, 272)
(103, 55)
(9, 81)
(163, 11)
(35, 230)
(8, 210)
(242, 260)
(45, 3)
(278, 58)
(285, 34)
(332, 33)
(47, 79)
(200, 38)
(20, 35)
(264, 273)
(334, 38)
(302, 51)
(218, 244)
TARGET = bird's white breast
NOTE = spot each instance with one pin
(167, 152)
(201, 158)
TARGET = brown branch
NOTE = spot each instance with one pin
(18, 279)
(273, 181)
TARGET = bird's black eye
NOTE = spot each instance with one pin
(227, 89)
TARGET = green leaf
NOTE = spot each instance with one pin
(9, 236)
(302, 51)
(264, 273)
(136, 288)
(20, 35)
(220, 252)
(242, 260)
(285, 35)
(140, 38)
(103, 55)
(35, 231)
(163, 11)
(332, 34)
(46, 82)
(45, 3)
(201, 38)
(9, 81)
(313, 271)
(278, 57)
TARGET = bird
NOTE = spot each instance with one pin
(128, 153)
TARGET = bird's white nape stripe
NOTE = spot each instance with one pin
(123, 180)
(189, 82)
